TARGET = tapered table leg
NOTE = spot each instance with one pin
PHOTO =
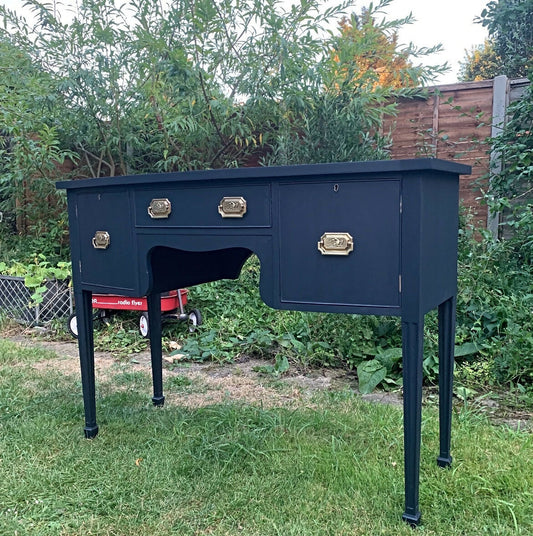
(84, 319)
(156, 351)
(412, 347)
(446, 362)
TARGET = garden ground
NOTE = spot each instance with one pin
(239, 450)
(247, 380)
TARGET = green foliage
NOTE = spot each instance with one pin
(510, 193)
(48, 238)
(494, 309)
(496, 276)
(361, 75)
(510, 27)
(383, 369)
(120, 335)
(514, 144)
(280, 366)
(370, 374)
(36, 273)
(30, 146)
(237, 322)
(174, 87)
(511, 187)
(145, 87)
(480, 63)
(334, 128)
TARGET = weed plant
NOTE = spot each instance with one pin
(237, 321)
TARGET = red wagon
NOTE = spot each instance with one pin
(172, 307)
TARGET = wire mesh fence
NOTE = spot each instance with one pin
(16, 302)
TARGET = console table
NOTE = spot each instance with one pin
(374, 238)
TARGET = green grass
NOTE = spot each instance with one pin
(237, 469)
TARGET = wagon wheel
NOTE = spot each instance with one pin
(195, 320)
(104, 316)
(72, 321)
(72, 325)
(144, 329)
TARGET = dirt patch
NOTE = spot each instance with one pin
(211, 383)
(242, 381)
(67, 361)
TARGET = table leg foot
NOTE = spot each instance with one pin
(444, 461)
(90, 431)
(412, 348)
(446, 364)
(413, 520)
(156, 350)
(158, 401)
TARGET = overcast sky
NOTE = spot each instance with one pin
(449, 22)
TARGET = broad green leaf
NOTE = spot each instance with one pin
(468, 348)
(370, 375)
(390, 357)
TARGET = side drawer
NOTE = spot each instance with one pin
(246, 205)
(106, 240)
(340, 243)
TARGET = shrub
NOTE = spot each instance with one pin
(494, 309)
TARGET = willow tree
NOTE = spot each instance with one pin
(190, 84)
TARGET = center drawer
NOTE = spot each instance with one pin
(184, 206)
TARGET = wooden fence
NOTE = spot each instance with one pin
(453, 122)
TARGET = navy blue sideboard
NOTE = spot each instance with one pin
(365, 237)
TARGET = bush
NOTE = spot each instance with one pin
(494, 307)
(36, 273)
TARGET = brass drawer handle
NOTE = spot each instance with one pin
(101, 240)
(159, 208)
(335, 244)
(232, 207)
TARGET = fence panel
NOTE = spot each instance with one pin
(16, 302)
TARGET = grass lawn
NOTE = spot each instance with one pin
(239, 469)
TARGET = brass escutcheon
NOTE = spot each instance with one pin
(101, 240)
(159, 208)
(232, 207)
(335, 244)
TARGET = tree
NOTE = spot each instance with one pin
(367, 52)
(510, 27)
(151, 86)
(192, 84)
(30, 150)
(481, 63)
(362, 74)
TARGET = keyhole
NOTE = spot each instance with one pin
(336, 188)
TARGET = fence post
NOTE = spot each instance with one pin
(500, 103)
